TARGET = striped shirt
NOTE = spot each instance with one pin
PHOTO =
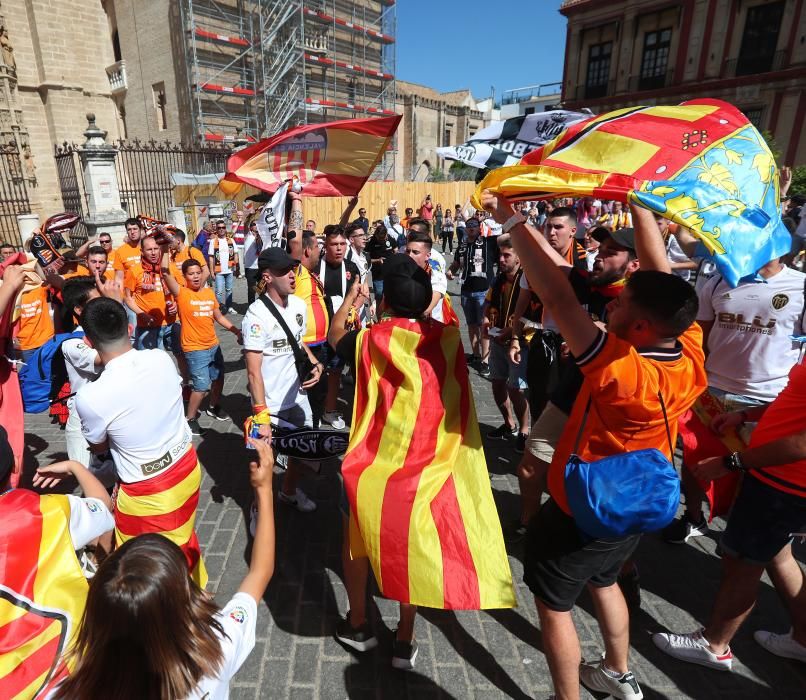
(310, 290)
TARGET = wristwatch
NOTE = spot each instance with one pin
(733, 462)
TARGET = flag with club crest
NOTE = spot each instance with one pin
(700, 164)
(333, 159)
(416, 478)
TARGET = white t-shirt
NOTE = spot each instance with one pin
(239, 619)
(548, 323)
(675, 254)
(750, 349)
(223, 252)
(250, 251)
(79, 360)
(136, 404)
(262, 333)
(439, 282)
(89, 519)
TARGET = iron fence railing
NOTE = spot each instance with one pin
(13, 193)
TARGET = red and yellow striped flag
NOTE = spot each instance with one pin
(165, 504)
(42, 592)
(416, 478)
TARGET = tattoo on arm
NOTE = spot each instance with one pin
(295, 221)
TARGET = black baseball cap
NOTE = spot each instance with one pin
(625, 237)
(275, 259)
(406, 287)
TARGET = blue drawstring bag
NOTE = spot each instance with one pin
(624, 494)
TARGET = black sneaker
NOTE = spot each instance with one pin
(514, 532)
(502, 433)
(194, 426)
(520, 443)
(682, 530)
(216, 412)
(472, 360)
(630, 584)
(484, 370)
(360, 639)
(404, 655)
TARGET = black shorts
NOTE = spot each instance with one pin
(559, 561)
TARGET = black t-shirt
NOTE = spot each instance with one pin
(333, 282)
(380, 249)
(477, 265)
(346, 348)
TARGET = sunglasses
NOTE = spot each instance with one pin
(284, 271)
(105, 240)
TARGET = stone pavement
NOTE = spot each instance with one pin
(492, 654)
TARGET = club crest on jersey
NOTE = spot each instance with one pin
(299, 319)
(779, 301)
(238, 614)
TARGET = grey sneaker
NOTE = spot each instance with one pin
(300, 501)
(594, 677)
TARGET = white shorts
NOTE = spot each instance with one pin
(298, 415)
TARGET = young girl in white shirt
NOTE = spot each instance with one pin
(150, 632)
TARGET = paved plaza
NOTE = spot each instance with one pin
(492, 654)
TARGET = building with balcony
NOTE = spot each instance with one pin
(751, 53)
(519, 102)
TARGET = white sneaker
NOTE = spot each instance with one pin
(692, 647)
(300, 501)
(334, 420)
(595, 678)
(230, 310)
(253, 518)
(781, 645)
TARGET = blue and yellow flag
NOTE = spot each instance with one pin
(700, 164)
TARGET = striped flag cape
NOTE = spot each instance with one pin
(421, 505)
(700, 164)
(165, 504)
(42, 593)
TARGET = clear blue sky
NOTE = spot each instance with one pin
(454, 44)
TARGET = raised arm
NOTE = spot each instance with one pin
(345, 215)
(649, 244)
(295, 217)
(167, 278)
(548, 280)
(261, 565)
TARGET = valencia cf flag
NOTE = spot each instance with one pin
(334, 159)
(416, 478)
(42, 592)
(700, 164)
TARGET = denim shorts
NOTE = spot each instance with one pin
(761, 522)
(205, 366)
(502, 368)
(473, 306)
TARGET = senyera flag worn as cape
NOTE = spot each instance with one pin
(421, 506)
(333, 159)
(700, 164)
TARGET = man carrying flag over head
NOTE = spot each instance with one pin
(417, 492)
(145, 431)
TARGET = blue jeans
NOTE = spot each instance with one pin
(377, 288)
(223, 290)
(161, 337)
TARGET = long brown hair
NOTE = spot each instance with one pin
(148, 631)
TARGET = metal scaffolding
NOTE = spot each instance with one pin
(256, 67)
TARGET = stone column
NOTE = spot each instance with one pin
(104, 213)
